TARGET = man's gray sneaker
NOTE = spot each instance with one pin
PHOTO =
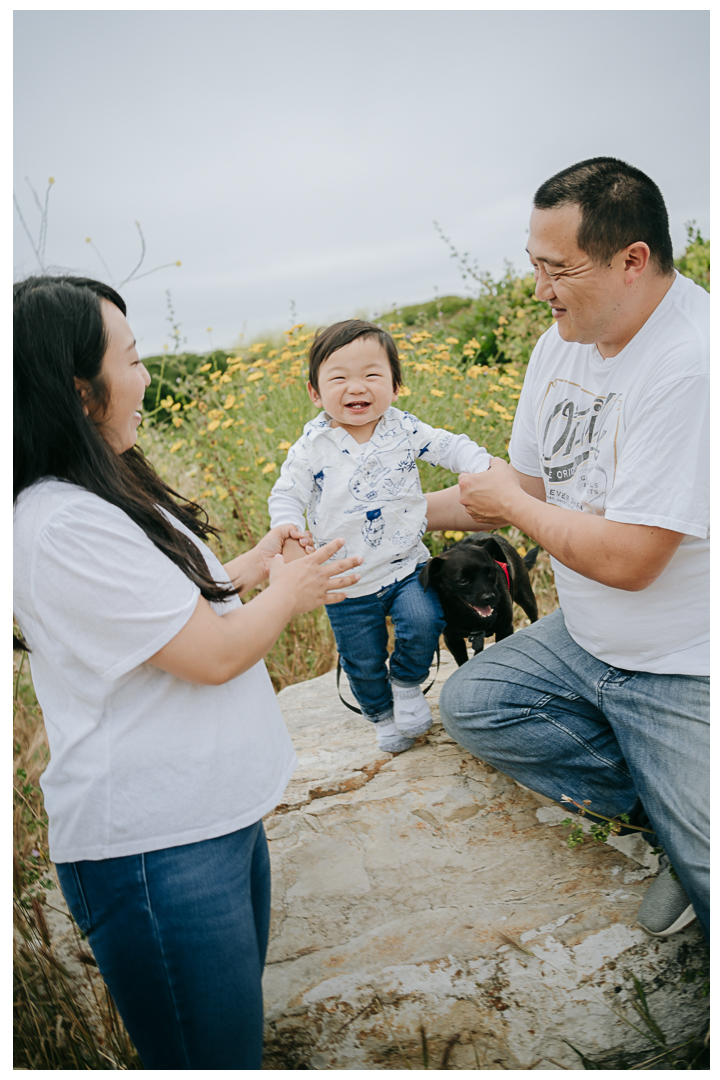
(666, 907)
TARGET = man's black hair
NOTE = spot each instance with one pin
(619, 205)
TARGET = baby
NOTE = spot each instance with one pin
(353, 474)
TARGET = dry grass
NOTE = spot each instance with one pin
(63, 1016)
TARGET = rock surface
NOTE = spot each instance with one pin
(428, 913)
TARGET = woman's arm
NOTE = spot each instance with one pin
(211, 649)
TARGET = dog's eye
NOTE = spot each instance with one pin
(462, 581)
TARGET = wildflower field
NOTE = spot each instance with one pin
(217, 428)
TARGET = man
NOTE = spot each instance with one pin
(606, 699)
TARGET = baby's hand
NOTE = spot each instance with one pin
(296, 548)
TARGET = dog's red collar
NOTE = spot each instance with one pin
(507, 574)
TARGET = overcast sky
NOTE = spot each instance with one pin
(301, 158)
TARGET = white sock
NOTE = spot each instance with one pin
(411, 710)
(389, 738)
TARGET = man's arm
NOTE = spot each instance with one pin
(620, 555)
(445, 510)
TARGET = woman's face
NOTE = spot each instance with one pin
(126, 379)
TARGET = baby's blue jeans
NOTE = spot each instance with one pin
(361, 636)
(549, 714)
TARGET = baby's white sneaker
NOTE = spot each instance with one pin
(411, 710)
(388, 737)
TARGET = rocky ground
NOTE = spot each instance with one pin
(428, 913)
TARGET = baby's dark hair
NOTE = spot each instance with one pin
(334, 337)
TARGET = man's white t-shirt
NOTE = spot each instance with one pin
(628, 438)
(139, 759)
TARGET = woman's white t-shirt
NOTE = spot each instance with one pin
(139, 759)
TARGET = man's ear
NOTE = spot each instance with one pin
(314, 396)
(83, 388)
(636, 259)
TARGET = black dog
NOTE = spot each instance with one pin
(478, 580)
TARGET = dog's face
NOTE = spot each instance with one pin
(469, 580)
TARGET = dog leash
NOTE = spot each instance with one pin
(354, 709)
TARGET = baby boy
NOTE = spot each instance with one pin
(352, 473)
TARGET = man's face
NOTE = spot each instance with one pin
(585, 298)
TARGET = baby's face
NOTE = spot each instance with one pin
(355, 386)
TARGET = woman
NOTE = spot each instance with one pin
(167, 744)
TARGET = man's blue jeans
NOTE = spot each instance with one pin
(541, 709)
(361, 637)
(180, 937)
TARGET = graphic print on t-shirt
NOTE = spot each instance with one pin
(577, 432)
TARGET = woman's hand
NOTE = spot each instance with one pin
(312, 579)
(296, 548)
(249, 569)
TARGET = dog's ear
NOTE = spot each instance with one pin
(430, 571)
(491, 545)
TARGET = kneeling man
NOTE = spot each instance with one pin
(607, 698)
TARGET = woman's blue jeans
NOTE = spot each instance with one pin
(361, 637)
(180, 937)
(547, 713)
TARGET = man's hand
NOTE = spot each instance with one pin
(487, 496)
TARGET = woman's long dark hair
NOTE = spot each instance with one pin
(60, 335)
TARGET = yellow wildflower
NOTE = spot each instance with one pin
(221, 492)
(240, 442)
(269, 467)
(451, 341)
(213, 425)
(176, 445)
(270, 430)
(205, 367)
(260, 461)
(404, 391)
(177, 421)
(229, 401)
(502, 321)
(166, 402)
(228, 423)
(214, 375)
(255, 376)
(176, 406)
(437, 393)
(284, 445)
(263, 397)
